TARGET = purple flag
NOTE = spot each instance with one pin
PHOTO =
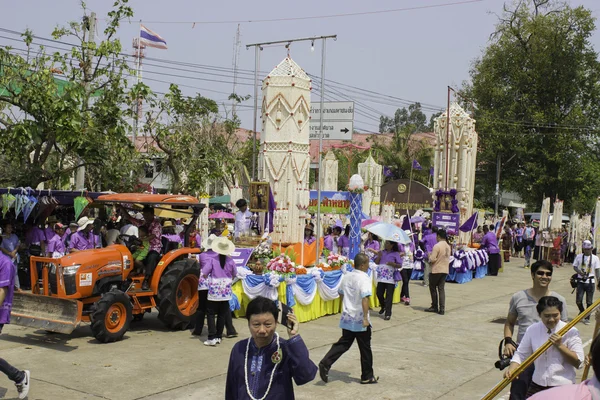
(270, 214)
(431, 171)
(406, 223)
(387, 172)
(416, 165)
(469, 224)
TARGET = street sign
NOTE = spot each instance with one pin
(332, 130)
(338, 120)
(334, 111)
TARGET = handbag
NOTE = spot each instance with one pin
(574, 280)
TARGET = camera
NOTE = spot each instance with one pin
(504, 361)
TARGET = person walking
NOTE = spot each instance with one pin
(490, 244)
(355, 290)
(557, 366)
(221, 271)
(407, 268)
(387, 260)
(7, 287)
(10, 246)
(528, 243)
(522, 312)
(440, 267)
(587, 266)
(264, 365)
(428, 242)
(204, 259)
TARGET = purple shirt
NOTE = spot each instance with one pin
(429, 241)
(490, 243)
(173, 238)
(11, 243)
(7, 280)
(55, 245)
(219, 283)
(372, 244)
(49, 233)
(587, 390)
(205, 259)
(34, 236)
(79, 241)
(328, 242)
(309, 240)
(385, 273)
(343, 245)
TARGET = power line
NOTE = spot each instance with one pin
(318, 16)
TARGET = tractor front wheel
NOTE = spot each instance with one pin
(112, 316)
(178, 294)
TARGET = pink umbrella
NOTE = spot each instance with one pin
(221, 215)
(366, 222)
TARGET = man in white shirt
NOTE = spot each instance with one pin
(355, 289)
(587, 267)
(243, 218)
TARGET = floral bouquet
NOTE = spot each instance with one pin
(282, 265)
(336, 261)
(263, 251)
(300, 270)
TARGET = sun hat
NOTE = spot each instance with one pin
(309, 227)
(58, 225)
(73, 224)
(408, 232)
(223, 246)
(206, 243)
(586, 245)
(83, 223)
(168, 224)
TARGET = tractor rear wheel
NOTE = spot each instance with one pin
(112, 316)
(178, 294)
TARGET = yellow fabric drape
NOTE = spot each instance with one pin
(317, 309)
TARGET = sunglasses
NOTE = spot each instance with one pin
(543, 273)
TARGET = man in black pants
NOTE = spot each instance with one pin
(7, 278)
(355, 290)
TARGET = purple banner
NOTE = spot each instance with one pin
(447, 221)
(241, 256)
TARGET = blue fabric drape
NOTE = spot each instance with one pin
(332, 279)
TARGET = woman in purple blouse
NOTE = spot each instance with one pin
(371, 245)
(387, 261)
(343, 242)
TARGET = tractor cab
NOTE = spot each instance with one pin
(98, 285)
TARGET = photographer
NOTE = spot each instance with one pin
(522, 310)
(587, 267)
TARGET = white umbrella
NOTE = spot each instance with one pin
(388, 232)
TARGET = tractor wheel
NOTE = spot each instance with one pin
(178, 294)
(112, 316)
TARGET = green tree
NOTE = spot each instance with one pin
(403, 117)
(64, 110)
(399, 153)
(536, 93)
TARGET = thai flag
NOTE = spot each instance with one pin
(151, 39)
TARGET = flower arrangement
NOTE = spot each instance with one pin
(335, 262)
(357, 190)
(325, 267)
(282, 265)
(263, 250)
(300, 270)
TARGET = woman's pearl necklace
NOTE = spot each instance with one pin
(246, 371)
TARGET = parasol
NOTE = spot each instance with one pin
(221, 215)
(388, 232)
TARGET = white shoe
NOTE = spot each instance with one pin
(23, 386)
(211, 342)
(586, 321)
(219, 340)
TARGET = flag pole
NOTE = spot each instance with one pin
(409, 183)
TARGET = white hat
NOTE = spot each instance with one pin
(223, 246)
(408, 232)
(207, 243)
(587, 245)
(83, 223)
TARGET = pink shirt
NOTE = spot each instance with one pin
(587, 390)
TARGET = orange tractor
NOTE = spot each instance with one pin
(97, 285)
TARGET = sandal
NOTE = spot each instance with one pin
(373, 379)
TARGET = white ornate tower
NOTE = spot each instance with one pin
(456, 159)
(330, 172)
(372, 174)
(284, 160)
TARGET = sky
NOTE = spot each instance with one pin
(399, 57)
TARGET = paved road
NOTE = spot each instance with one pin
(417, 355)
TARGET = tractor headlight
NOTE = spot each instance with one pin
(71, 270)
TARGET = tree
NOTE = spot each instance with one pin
(65, 110)
(399, 153)
(403, 117)
(536, 93)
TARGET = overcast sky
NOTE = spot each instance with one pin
(411, 54)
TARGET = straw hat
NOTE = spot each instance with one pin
(83, 223)
(222, 245)
(207, 243)
(168, 224)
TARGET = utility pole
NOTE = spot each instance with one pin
(236, 56)
(138, 53)
(89, 27)
(497, 193)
